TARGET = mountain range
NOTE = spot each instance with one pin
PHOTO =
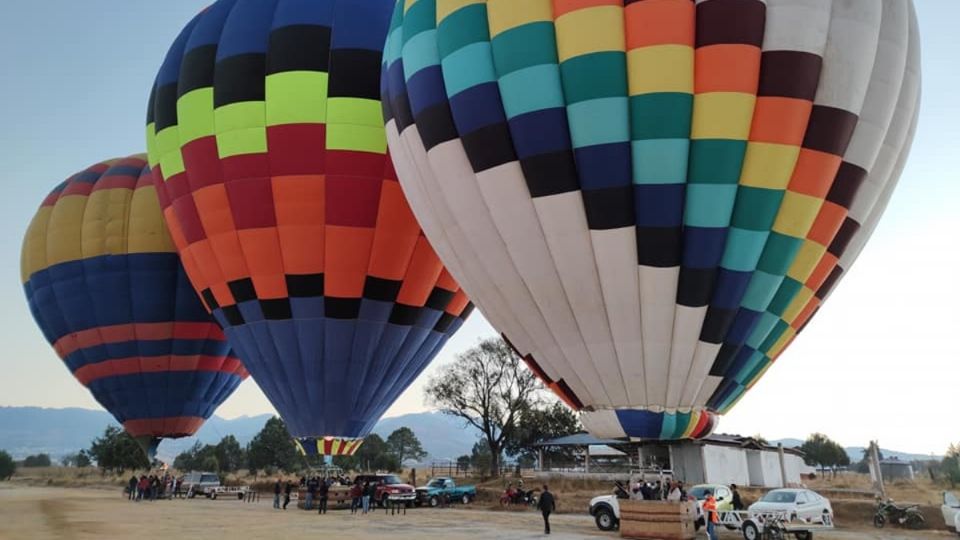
(58, 432)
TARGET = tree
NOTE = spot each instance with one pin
(480, 457)
(761, 439)
(373, 455)
(117, 451)
(820, 450)
(488, 387)
(463, 463)
(39, 460)
(404, 444)
(542, 424)
(230, 454)
(7, 465)
(273, 448)
(80, 459)
(950, 466)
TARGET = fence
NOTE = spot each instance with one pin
(460, 469)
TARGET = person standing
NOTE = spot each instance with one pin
(311, 492)
(710, 509)
(286, 494)
(737, 502)
(367, 494)
(277, 488)
(356, 493)
(546, 505)
(324, 491)
(674, 495)
(132, 488)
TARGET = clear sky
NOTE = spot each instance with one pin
(880, 361)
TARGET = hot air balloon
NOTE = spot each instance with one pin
(267, 143)
(649, 198)
(106, 287)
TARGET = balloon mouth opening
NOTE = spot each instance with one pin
(656, 424)
(149, 445)
(328, 445)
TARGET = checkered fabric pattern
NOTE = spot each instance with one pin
(644, 196)
(106, 287)
(266, 139)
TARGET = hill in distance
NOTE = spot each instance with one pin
(58, 432)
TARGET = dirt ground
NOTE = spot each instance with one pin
(86, 513)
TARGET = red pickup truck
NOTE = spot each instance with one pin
(389, 488)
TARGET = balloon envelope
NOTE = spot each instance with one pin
(649, 199)
(106, 287)
(267, 143)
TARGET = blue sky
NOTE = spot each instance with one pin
(881, 360)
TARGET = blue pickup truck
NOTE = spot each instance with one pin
(444, 487)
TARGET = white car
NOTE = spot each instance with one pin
(796, 504)
(951, 511)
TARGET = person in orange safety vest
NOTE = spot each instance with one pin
(712, 518)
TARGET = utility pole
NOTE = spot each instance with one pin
(875, 473)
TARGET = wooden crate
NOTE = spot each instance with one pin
(657, 519)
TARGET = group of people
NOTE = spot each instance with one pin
(712, 515)
(318, 489)
(659, 491)
(153, 487)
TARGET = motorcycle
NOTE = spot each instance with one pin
(906, 516)
(519, 496)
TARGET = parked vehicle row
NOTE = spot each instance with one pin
(791, 510)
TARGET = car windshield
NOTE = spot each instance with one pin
(438, 483)
(780, 497)
(209, 478)
(391, 479)
(700, 492)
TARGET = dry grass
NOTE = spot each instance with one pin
(849, 492)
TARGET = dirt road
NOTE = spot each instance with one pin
(30, 512)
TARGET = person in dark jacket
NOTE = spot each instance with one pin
(356, 494)
(277, 489)
(546, 505)
(737, 502)
(323, 491)
(132, 487)
(286, 494)
(311, 492)
(369, 489)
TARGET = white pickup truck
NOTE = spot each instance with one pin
(951, 511)
(605, 509)
(208, 484)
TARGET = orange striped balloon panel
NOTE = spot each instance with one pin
(267, 146)
(648, 197)
(106, 287)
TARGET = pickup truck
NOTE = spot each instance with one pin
(437, 488)
(389, 488)
(605, 509)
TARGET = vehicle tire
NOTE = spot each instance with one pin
(879, 521)
(434, 501)
(750, 531)
(804, 535)
(212, 496)
(240, 496)
(914, 521)
(465, 499)
(605, 519)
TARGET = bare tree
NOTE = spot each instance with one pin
(489, 387)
